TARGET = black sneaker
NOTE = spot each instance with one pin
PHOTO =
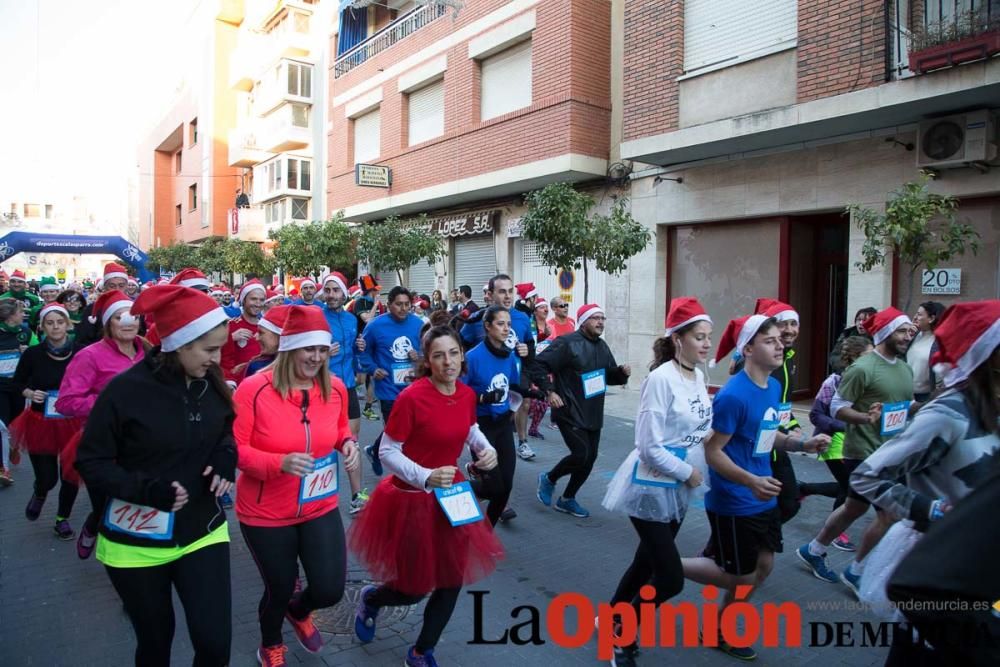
(624, 657)
(507, 514)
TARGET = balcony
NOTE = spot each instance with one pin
(243, 148)
(286, 129)
(247, 224)
(283, 176)
(288, 31)
(396, 31)
(285, 82)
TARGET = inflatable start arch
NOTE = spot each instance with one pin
(16, 242)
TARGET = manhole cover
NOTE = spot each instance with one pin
(339, 619)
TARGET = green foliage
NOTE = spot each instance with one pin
(396, 245)
(568, 235)
(173, 257)
(302, 249)
(248, 258)
(211, 255)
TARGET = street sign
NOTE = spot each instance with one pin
(372, 175)
(566, 279)
(941, 281)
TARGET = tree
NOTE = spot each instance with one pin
(396, 245)
(173, 257)
(568, 235)
(918, 226)
(248, 258)
(211, 255)
(304, 248)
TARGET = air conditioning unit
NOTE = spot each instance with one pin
(957, 140)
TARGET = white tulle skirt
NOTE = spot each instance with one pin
(654, 503)
(881, 563)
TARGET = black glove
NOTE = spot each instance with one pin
(491, 396)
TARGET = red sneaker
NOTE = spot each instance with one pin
(272, 656)
(306, 633)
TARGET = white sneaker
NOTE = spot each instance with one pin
(525, 452)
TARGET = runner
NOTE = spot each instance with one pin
(40, 430)
(492, 372)
(653, 486)
(242, 345)
(308, 290)
(18, 290)
(391, 342)
(268, 337)
(15, 338)
(541, 328)
(874, 399)
(365, 306)
(163, 462)
(741, 503)
(415, 541)
(582, 366)
(90, 370)
(291, 427)
(347, 344)
(115, 278)
(232, 310)
(193, 278)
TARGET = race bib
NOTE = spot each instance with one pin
(139, 520)
(594, 383)
(541, 347)
(894, 417)
(784, 413)
(647, 475)
(8, 363)
(50, 406)
(322, 481)
(402, 372)
(765, 438)
(459, 504)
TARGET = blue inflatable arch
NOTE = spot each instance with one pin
(16, 242)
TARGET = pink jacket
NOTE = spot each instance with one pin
(89, 372)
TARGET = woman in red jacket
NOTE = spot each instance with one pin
(291, 422)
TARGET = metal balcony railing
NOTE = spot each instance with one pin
(394, 32)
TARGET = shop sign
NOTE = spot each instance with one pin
(515, 228)
(941, 281)
(466, 224)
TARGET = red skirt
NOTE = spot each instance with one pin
(67, 457)
(33, 433)
(405, 540)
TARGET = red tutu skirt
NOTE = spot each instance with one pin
(67, 457)
(405, 540)
(35, 434)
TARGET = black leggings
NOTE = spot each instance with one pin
(437, 613)
(580, 460)
(842, 474)
(386, 409)
(98, 502)
(497, 484)
(46, 467)
(201, 580)
(319, 544)
(656, 562)
(791, 488)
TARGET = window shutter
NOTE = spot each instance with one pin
(475, 263)
(426, 113)
(506, 81)
(718, 31)
(367, 136)
(422, 277)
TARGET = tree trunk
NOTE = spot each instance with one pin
(586, 283)
(909, 289)
(399, 276)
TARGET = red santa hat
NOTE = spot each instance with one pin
(191, 278)
(52, 308)
(587, 310)
(966, 335)
(99, 285)
(354, 291)
(738, 334)
(18, 274)
(304, 327)
(271, 294)
(424, 304)
(250, 286)
(684, 310)
(133, 281)
(217, 290)
(108, 304)
(884, 323)
(183, 314)
(339, 280)
(3, 274)
(526, 290)
(115, 271)
(541, 302)
(307, 281)
(780, 311)
(274, 319)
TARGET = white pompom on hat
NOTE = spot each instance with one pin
(304, 327)
(108, 304)
(182, 314)
(966, 336)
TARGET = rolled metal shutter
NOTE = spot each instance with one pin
(475, 262)
(422, 278)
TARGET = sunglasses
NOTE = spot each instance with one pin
(562, 305)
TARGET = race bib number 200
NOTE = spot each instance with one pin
(894, 417)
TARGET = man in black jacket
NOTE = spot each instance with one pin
(582, 366)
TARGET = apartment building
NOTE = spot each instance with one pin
(750, 127)
(455, 115)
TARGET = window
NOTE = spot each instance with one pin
(48, 211)
(177, 162)
(506, 81)
(193, 132)
(298, 174)
(426, 113)
(274, 211)
(178, 215)
(725, 32)
(299, 80)
(367, 136)
(300, 115)
(300, 208)
(32, 210)
(193, 197)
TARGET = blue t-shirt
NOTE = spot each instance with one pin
(300, 302)
(344, 328)
(387, 346)
(738, 409)
(474, 331)
(487, 371)
(258, 364)
(232, 311)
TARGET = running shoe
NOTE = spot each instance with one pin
(425, 660)
(844, 543)
(306, 632)
(374, 460)
(358, 501)
(272, 656)
(369, 412)
(816, 564)
(570, 506)
(227, 501)
(63, 530)
(524, 451)
(364, 617)
(507, 514)
(744, 653)
(34, 508)
(85, 543)
(545, 489)
(5, 477)
(624, 656)
(536, 434)
(853, 581)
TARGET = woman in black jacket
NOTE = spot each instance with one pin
(159, 444)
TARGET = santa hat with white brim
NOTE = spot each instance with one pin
(684, 310)
(115, 271)
(884, 323)
(587, 311)
(274, 319)
(191, 278)
(337, 278)
(183, 314)
(249, 287)
(52, 308)
(966, 336)
(108, 304)
(738, 334)
(304, 327)
(779, 310)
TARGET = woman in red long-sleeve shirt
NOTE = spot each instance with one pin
(291, 423)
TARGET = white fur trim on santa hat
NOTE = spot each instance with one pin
(332, 278)
(697, 318)
(977, 353)
(787, 316)
(269, 325)
(52, 308)
(195, 282)
(890, 328)
(587, 315)
(307, 281)
(193, 330)
(113, 308)
(749, 330)
(245, 291)
(115, 274)
(304, 339)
